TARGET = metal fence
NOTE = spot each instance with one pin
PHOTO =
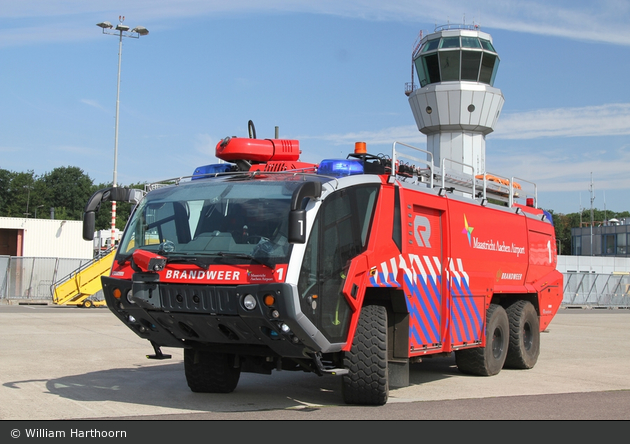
(27, 279)
(595, 290)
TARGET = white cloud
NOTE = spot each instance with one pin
(205, 145)
(386, 136)
(602, 21)
(603, 120)
(93, 103)
(557, 173)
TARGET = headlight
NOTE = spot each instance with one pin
(249, 302)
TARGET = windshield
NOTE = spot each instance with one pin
(214, 221)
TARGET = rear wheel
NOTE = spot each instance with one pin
(367, 380)
(208, 372)
(87, 303)
(524, 345)
(488, 360)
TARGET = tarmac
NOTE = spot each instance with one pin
(63, 363)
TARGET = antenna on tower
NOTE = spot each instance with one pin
(592, 221)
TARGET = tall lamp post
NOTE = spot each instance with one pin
(122, 31)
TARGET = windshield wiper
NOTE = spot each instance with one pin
(244, 256)
(186, 260)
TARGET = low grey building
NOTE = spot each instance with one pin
(610, 238)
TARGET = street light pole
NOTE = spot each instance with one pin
(28, 198)
(123, 31)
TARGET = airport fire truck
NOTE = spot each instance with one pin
(355, 267)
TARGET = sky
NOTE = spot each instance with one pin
(328, 73)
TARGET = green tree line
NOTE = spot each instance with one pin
(60, 194)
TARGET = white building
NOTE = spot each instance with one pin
(43, 238)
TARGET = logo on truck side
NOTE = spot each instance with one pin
(490, 244)
(422, 231)
(467, 230)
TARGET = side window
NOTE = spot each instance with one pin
(340, 232)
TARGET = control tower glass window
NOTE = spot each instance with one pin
(487, 45)
(428, 69)
(457, 58)
(471, 42)
(449, 42)
(471, 61)
(489, 66)
(449, 65)
(431, 45)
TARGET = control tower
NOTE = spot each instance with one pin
(456, 105)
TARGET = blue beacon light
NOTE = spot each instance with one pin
(340, 167)
(207, 170)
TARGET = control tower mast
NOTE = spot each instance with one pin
(456, 105)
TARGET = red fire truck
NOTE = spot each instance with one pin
(353, 267)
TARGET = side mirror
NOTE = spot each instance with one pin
(297, 216)
(106, 194)
(88, 225)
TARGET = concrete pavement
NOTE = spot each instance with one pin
(74, 363)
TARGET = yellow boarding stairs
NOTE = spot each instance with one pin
(79, 286)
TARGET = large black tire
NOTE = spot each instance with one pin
(208, 372)
(488, 360)
(524, 345)
(367, 382)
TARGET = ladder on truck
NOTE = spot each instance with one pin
(478, 186)
(79, 287)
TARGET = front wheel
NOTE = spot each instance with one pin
(488, 360)
(208, 372)
(367, 381)
(524, 336)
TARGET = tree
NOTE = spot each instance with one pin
(19, 193)
(68, 188)
(5, 183)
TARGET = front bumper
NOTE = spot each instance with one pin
(178, 315)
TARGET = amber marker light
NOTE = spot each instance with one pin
(117, 293)
(269, 300)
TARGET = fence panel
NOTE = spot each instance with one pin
(597, 290)
(32, 278)
(4, 272)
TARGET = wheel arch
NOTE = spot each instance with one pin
(505, 300)
(397, 318)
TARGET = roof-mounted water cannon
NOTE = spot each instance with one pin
(245, 152)
(233, 149)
